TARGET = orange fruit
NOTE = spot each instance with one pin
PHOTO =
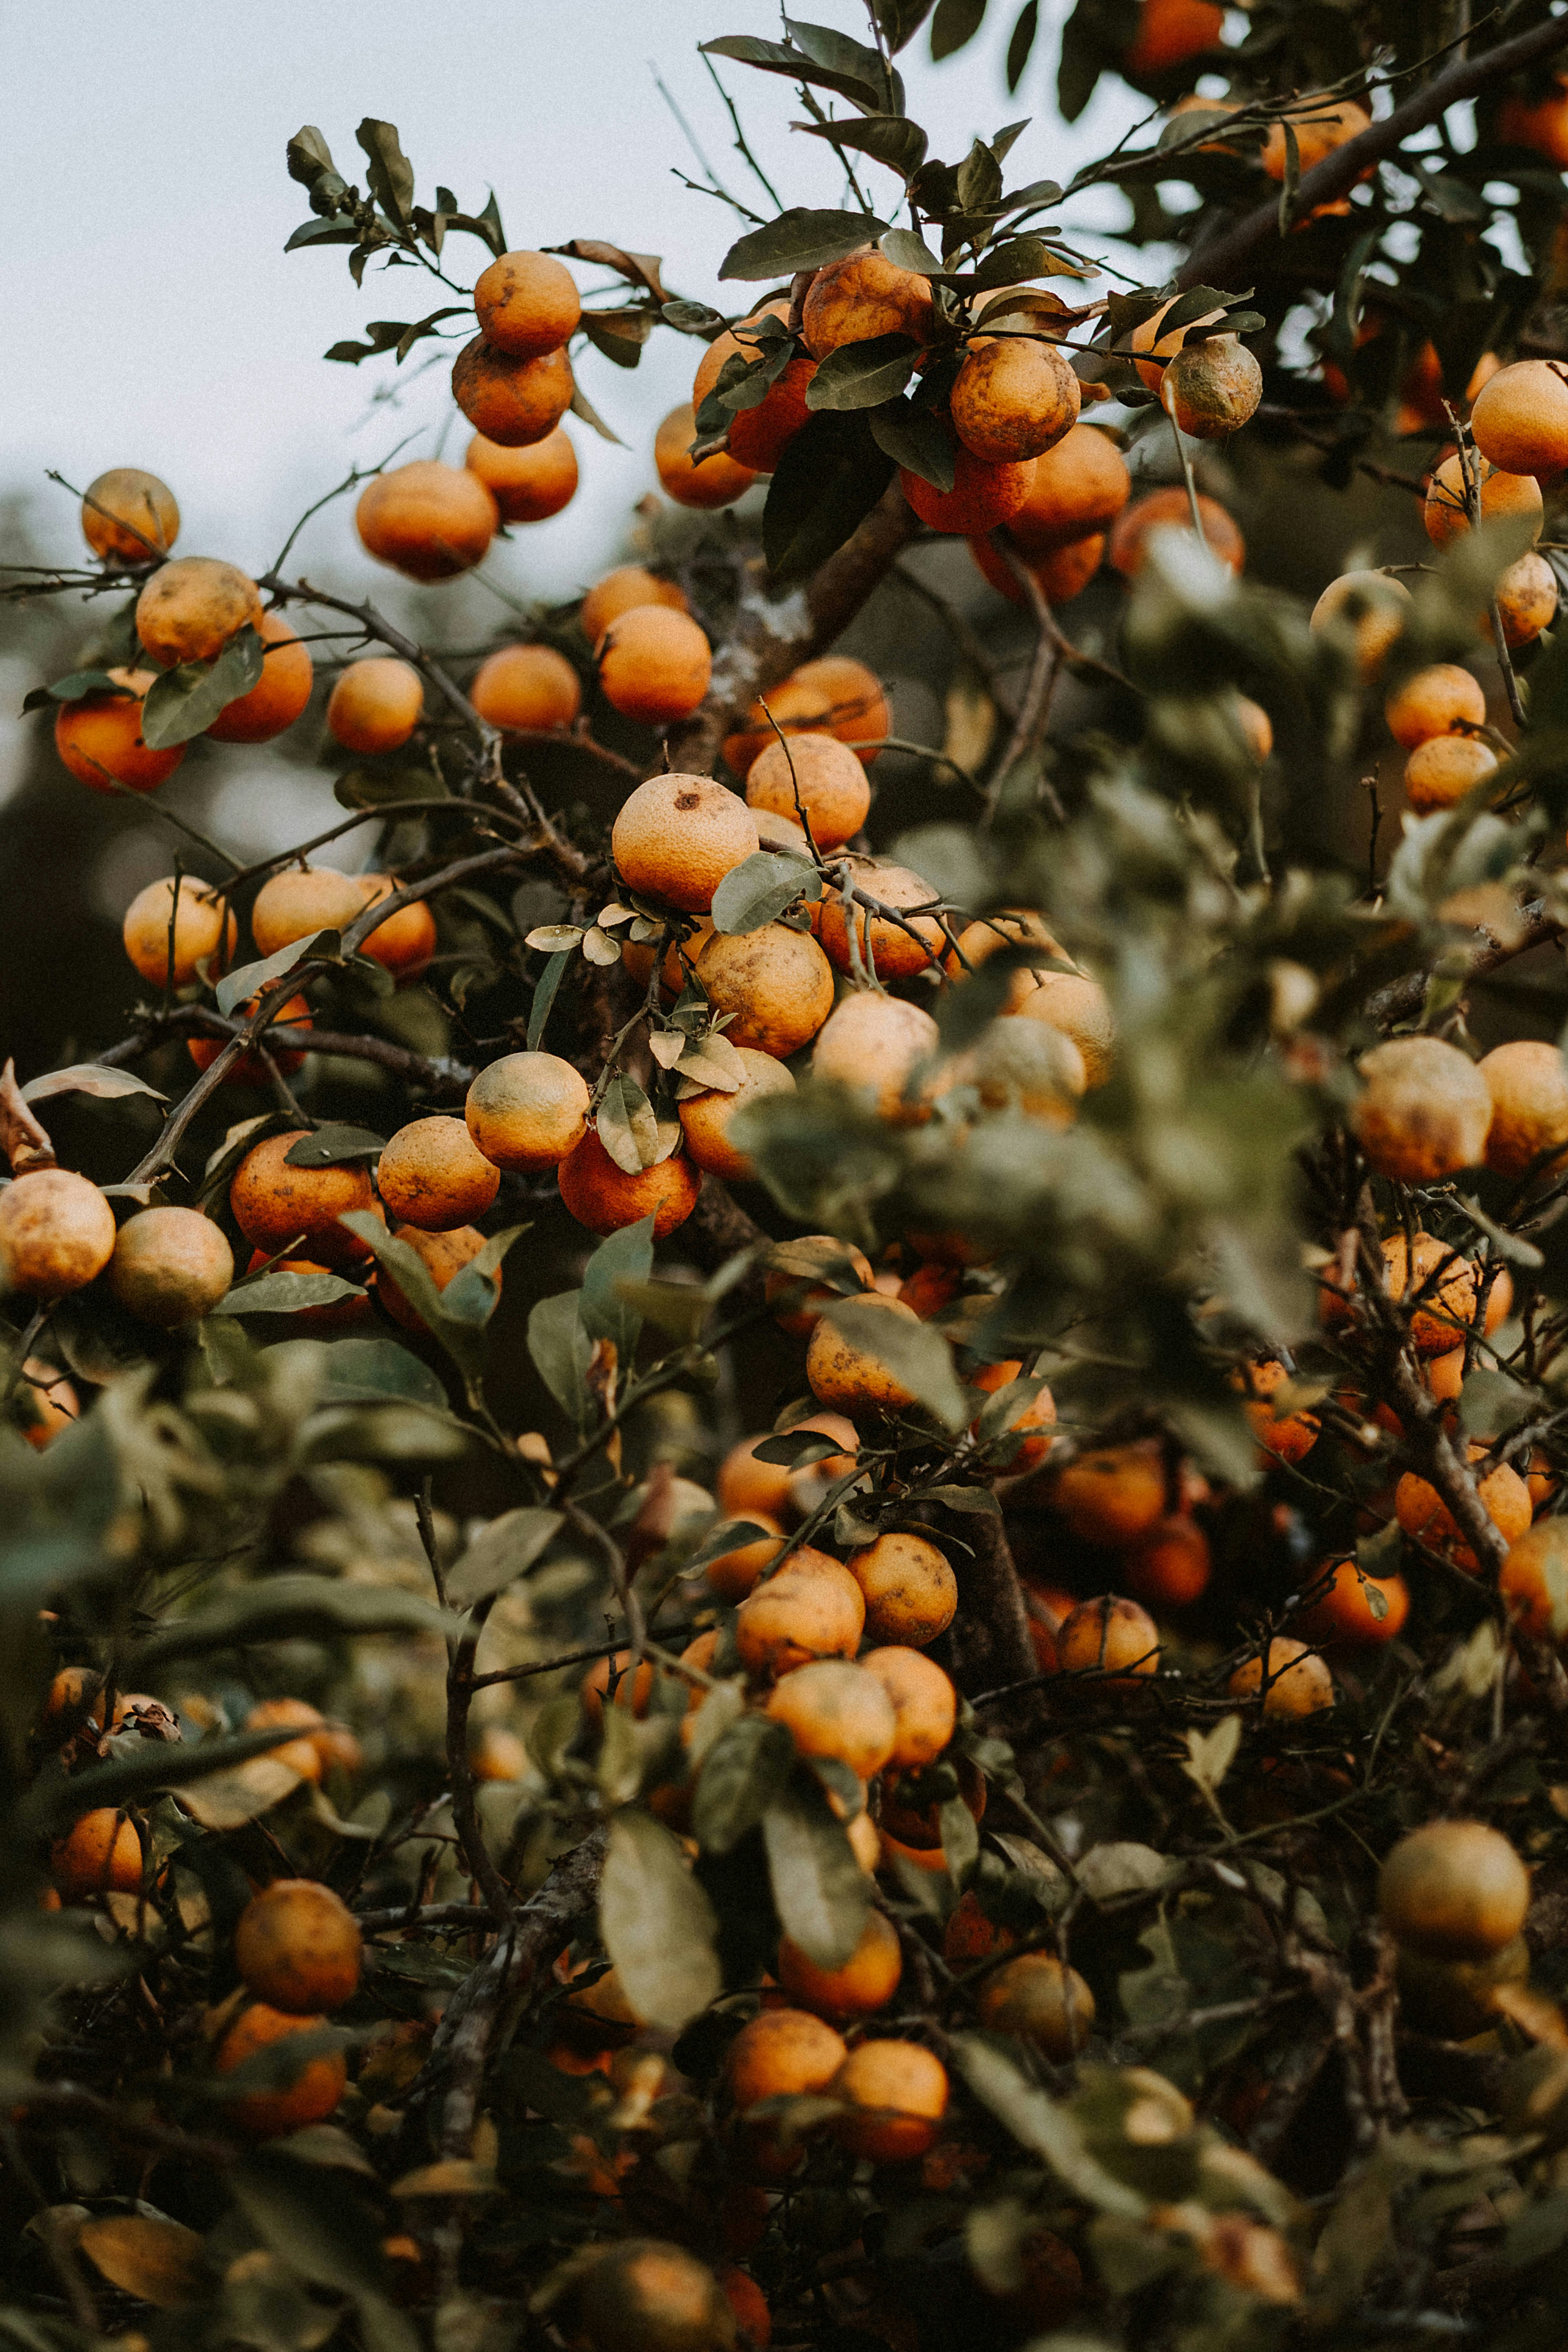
(758, 436)
(1332, 124)
(75, 1697)
(602, 1197)
(306, 1756)
(191, 607)
(792, 1263)
(654, 665)
(498, 1754)
(645, 2294)
(98, 736)
(775, 983)
(1040, 1413)
(432, 1174)
(57, 1233)
(1447, 512)
(1111, 1637)
(1534, 1580)
(831, 696)
(1526, 599)
(407, 941)
(836, 1708)
(1528, 1083)
(897, 2095)
(204, 926)
(1169, 1564)
(888, 948)
(925, 1704)
(275, 1205)
(1169, 511)
(1170, 32)
(512, 400)
(1112, 1494)
(1041, 2001)
(527, 1111)
(1298, 1682)
(1211, 389)
(1520, 416)
(735, 1573)
(866, 1983)
(1541, 123)
(637, 956)
(1162, 344)
(983, 494)
(676, 836)
(1445, 1286)
(526, 303)
(1443, 769)
(750, 2306)
(911, 1592)
(810, 1608)
(169, 1265)
(1060, 573)
(1289, 1436)
(622, 590)
(529, 483)
(125, 508)
(250, 1069)
(1424, 1110)
(970, 1937)
(1013, 398)
(1373, 606)
(931, 1288)
(747, 1485)
(302, 900)
(1423, 1514)
(297, 1946)
(1345, 1613)
(376, 705)
(782, 2053)
(612, 1679)
(841, 1371)
(1434, 702)
(1079, 487)
(861, 297)
(100, 1854)
(705, 1117)
(1080, 1009)
(527, 685)
(1453, 1890)
(716, 480)
(311, 2095)
(48, 1402)
(816, 773)
(444, 1256)
(427, 519)
(279, 694)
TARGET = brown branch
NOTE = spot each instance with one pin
(992, 1641)
(1401, 999)
(465, 1803)
(154, 1029)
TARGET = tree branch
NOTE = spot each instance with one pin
(1401, 999)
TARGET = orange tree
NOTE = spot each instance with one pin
(993, 1770)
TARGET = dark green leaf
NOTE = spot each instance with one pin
(889, 139)
(900, 20)
(746, 1770)
(286, 1294)
(911, 252)
(321, 232)
(503, 1549)
(657, 1923)
(1021, 42)
(979, 179)
(370, 787)
(319, 2224)
(474, 1292)
(561, 1348)
(862, 375)
(52, 1802)
(692, 317)
(954, 26)
(185, 701)
(623, 1256)
(757, 891)
(330, 1146)
(544, 990)
(784, 58)
(391, 174)
(799, 239)
(254, 979)
(820, 1891)
(917, 438)
(71, 688)
(831, 475)
(292, 1606)
(462, 1341)
(378, 1371)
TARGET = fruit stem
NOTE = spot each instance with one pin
(1185, 460)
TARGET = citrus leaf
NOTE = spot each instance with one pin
(87, 1078)
(627, 1128)
(505, 1549)
(746, 1770)
(820, 1891)
(286, 1294)
(831, 476)
(253, 979)
(862, 375)
(918, 1357)
(185, 701)
(799, 238)
(330, 1146)
(658, 1924)
(757, 891)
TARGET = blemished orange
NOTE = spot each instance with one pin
(512, 400)
(529, 483)
(444, 1256)
(251, 1069)
(833, 1708)
(191, 607)
(1373, 606)
(925, 1704)
(1346, 1612)
(893, 951)
(526, 303)
(716, 480)
(1161, 345)
(1080, 1008)
(775, 983)
(1435, 701)
(1527, 1082)
(100, 1854)
(646, 2294)
(735, 1573)
(758, 436)
(1112, 1494)
(1526, 600)
(1424, 1110)
(57, 1233)
(622, 590)
(843, 1371)
(876, 1044)
(817, 773)
(1453, 1890)
(1013, 398)
(602, 1197)
(983, 495)
(810, 1608)
(204, 927)
(297, 1946)
(1108, 1636)
(1533, 1581)
(1170, 1565)
(1444, 1287)
(123, 511)
(275, 1205)
(792, 1265)
(376, 705)
(705, 1117)
(1211, 389)
(433, 1174)
(897, 2094)
(1446, 513)
(747, 1485)
(279, 694)
(1425, 1517)
(834, 694)
(1298, 1681)
(99, 737)
(782, 2053)
(1169, 32)
(1079, 487)
(1443, 769)
(866, 1983)
(527, 685)
(1041, 2002)
(911, 1592)
(169, 1265)
(48, 1402)
(861, 297)
(1168, 510)
(1519, 417)
(1021, 1452)
(311, 2095)
(1059, 573)
(1289, 1436)
(407, 941)
(655, 663)
(305, 1755)
(1008, 927)
(428, 520)
(676, 836)
(302, 900)
(527, 1111)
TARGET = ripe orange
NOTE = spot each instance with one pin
(602, 1197)
(1079, 487)
(1108, 1636)
(866, 1983)
(251, 1070)
(1423, 1514)
(758, 436)
(931, 1288)
(100, 1854)
(1298, 1682)
(274, 1204)
(529, 483)
(1289, 1436)
(654, 665)
(1373, 606)
(861, 297)
(498, 1754)
(841, 1371)
(747, 1485)
(308, 2099)
(1060, 573)
(983, 495)
(1041, 1414)
(1445, 1283)
(925, 1704)
(1528, 1083)
(526, 303)
(1526, 600)
(1446, 513)
(612, 1679)
(1041, 2001)
(1345, 1611)
(527, 1111)
(1443, 769)
(911, 1592)
(307, 1755)
(1161, 345)
(817, 773)
(776, 982)
(1534, 1580)
(57, 1233)
(897, 2095)
(279, 694)
(1453, 1890)
(676, 836)
(782, 2053)
(645, 2294)
(1080, 1008)
(750, 2306)
(1112, 1493)
(1331, 124)
(376, 705)
(716, 480)
(1170, 1565)
(810, 1608)
(834, 1707)
(1425, 1111)
(126, 496)
(191, 607)
(444, 1256)
(302, 900)
(1169, 32)
(527, 685)
(735, 1573)
(1434, 702)
(169, 1265)
(204, 926)
(884, 947)
(48, 1401)
(98, 736)
(1540, 124)
(970, 1937)
(831, 696)
(1013, 398)
(407, 941)
(792, 1264)
(1169, 511)
(297, 1946)
(705, 1117)
(1520, 419)
(427, 519)
(1211, 389)
(433, 1174)
(622, 590)
(512, 400)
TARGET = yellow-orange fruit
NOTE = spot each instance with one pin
(1520, 419)
(498, 1754)
(1374, 607)
(306, 1756)
(614, 1680)
(407, 941)
(57, 1233)
(775, 983)
(511, 400)
(810, 1608)
(204, 927)
(251, 1069)
(1540, 124)
(427, 519)
(1320, 125)
(1289, 1436)
(169, 1265)
(1080, 485)
(747, 1485)
(893, 951)
(279, 694)
(983, 494)
(1346, 1612)
(527, 1111)
(622, 590)
(1534, 1580)
(602, 1197)
(705, 1117)
(911, 1592)
(1108, 1636)
(1443, 1284)
(48, 1401)
(783, 2054)
(676, 836)
(1152, 337)
(758, 436)
(191, 607)
(433, 1174)
(1425, 1517)
(1528, 1083)
(834, 1707)
(831, 696)
(1435, 701)
(444, 1256)
(376, 705)
(1041, 2001)
(527, 685)
(129, 516)
(1112, 1493)
(1080, 1008)
(1024, 1452)
(100, 1854)
(527, 303)
(645, 2294)
(1059, 573)
(1453, 1890)
(1424, 1110)
(1168, 510)
(861, 297)
(655, 664)
(844, 1371)
(897, 2095)
(866, 1983)
(1170, 32)
(1169, 1565)
(297, 1946)
(734, 1573)
(1211, 389)
(925, 1704)
(1013, 398)
(308, 2099)
(716, 480)
(794, 1263)
(529, 483)
(274, 1204)
(300, 901)
(99, 737)
(750, 2306)
(816, 773)
(1446, 513)
(1443, 769)
(1298, 1682)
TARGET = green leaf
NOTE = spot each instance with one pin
(863, 87)
(291, 1606)
(560, 1350)
(331, 1147)
(831, 476)
(863, 375)
(820, 1891)
(954, 26)
(320, 2225)
(889, 139)
(254, 979)
(87, 1078)
(474, 1292)
(391, 174)
(918, 1357)
(71, 688)
(900, 20)
(604, 1309)
(461, 1339)
(747, 1769)
(757, 891)
(286, 1294)
(544, 990)
(659, 1925)
(902, 246)
(799, 239)
(378, 1371)
(626, 1126)
(1021, 42)
(51, 1803)
(917, 438)
(1042, 2125)
(676, 1308)
(503, 1549)
(185, 701)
